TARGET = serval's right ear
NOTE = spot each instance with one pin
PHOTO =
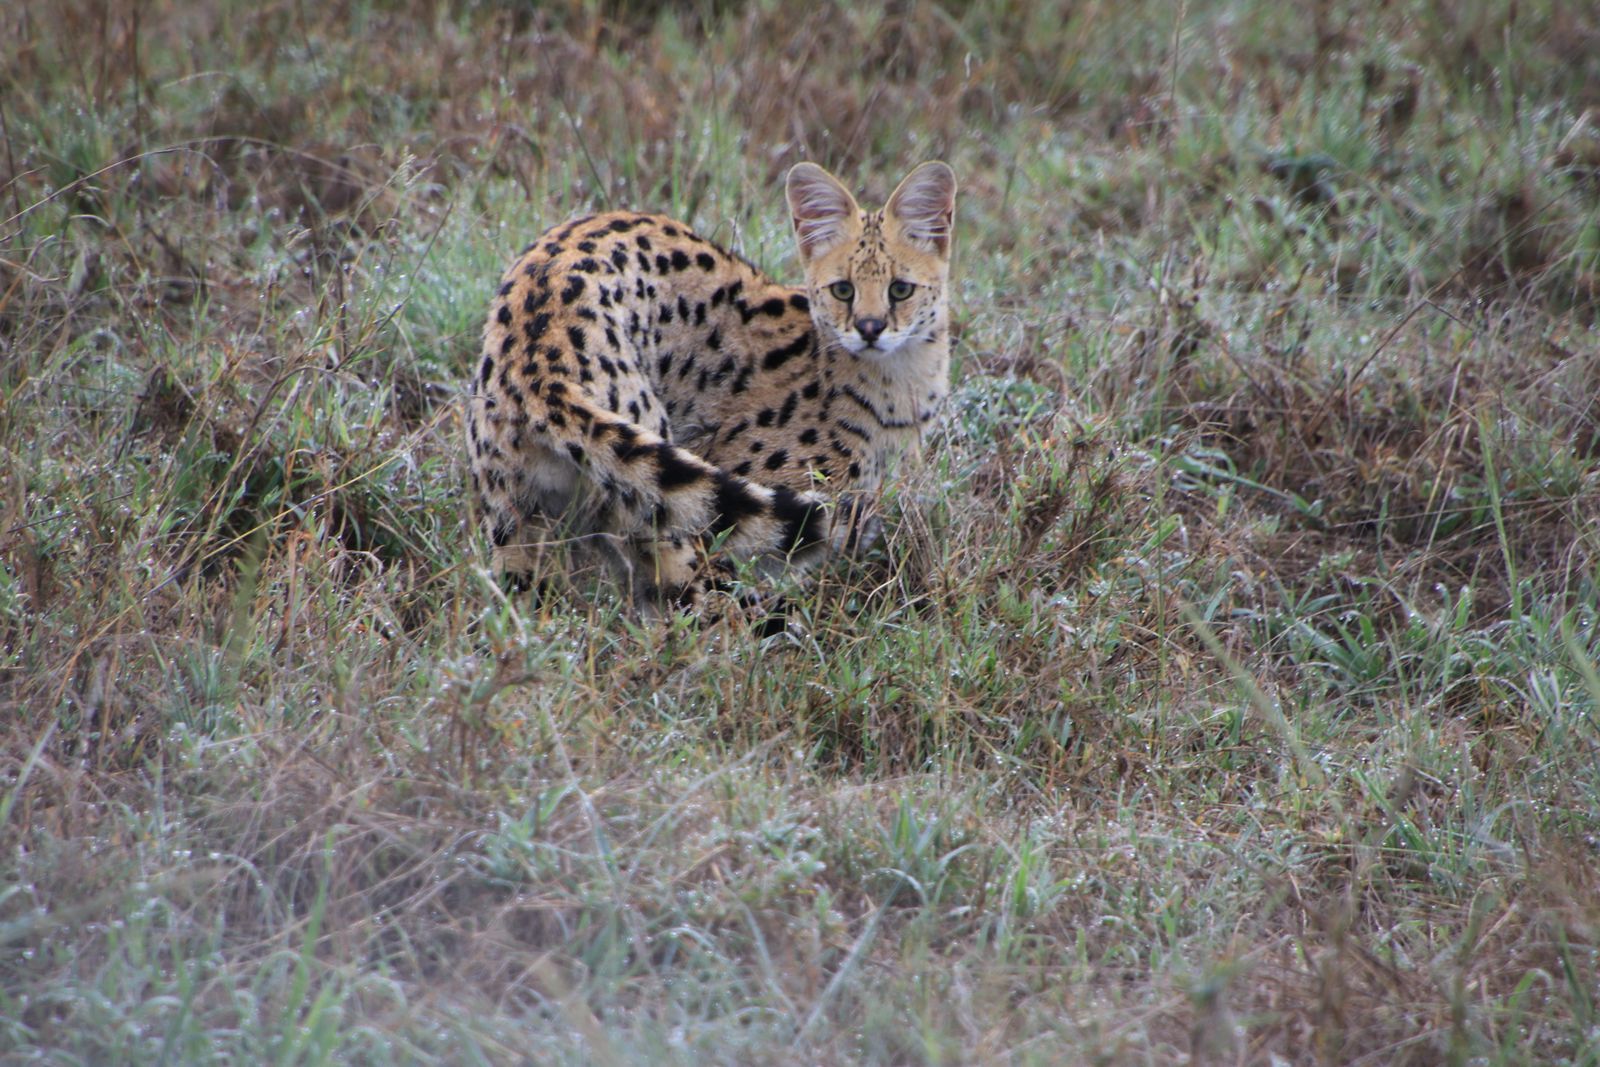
(823, 211)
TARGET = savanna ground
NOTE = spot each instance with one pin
(1225, 691)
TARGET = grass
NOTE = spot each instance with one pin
(1225, 692)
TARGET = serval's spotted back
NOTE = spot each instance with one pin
(644, 391)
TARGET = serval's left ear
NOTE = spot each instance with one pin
(925, 205)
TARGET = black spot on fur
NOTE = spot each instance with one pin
(576, 337)
(777, 357)
(734, 501)
(777, 459)
(680, 259)
(673, 469)
(573, 290)
(503, 316)
(804, 523)
(704, 261)
(808, 436)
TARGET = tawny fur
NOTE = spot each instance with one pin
(642, 389)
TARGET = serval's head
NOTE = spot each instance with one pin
(876, 278)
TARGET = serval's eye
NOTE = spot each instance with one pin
(842, 291)
(900, 290)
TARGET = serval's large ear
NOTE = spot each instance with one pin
(924, 205)
(823, 211)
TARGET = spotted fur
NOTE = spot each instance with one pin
(644, 391)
